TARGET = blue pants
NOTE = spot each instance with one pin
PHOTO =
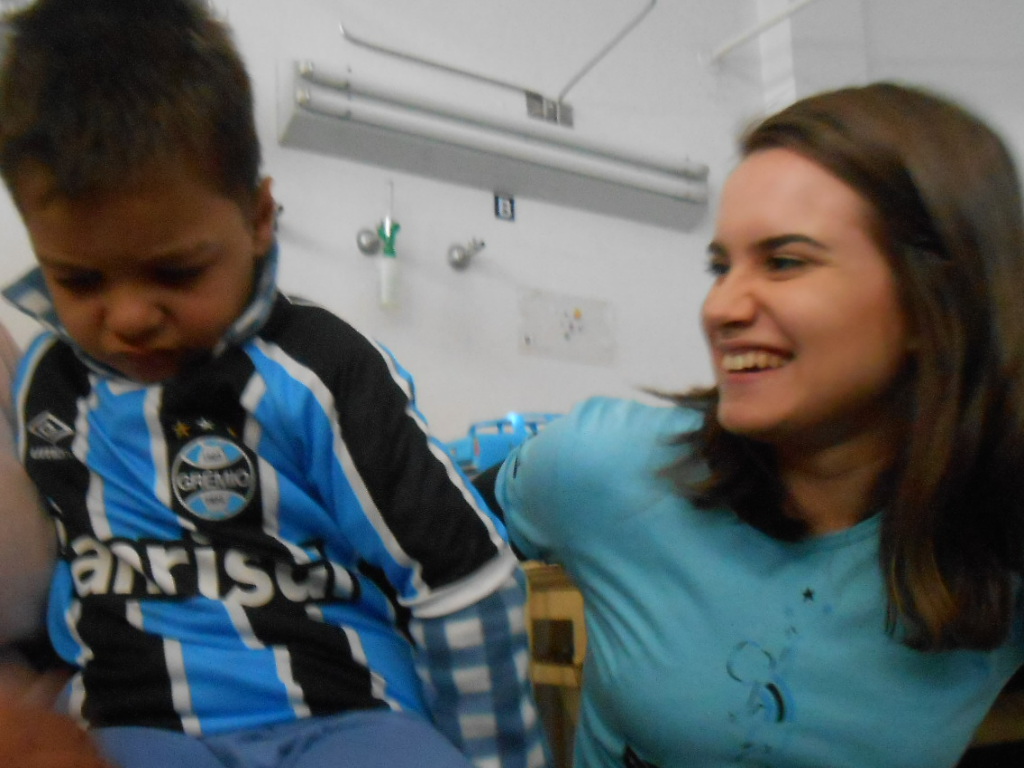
(363, 739)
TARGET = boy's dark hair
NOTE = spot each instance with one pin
(947, 210)
(95, 90)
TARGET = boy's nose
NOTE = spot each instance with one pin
(132, 315)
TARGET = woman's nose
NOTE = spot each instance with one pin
(731, 301)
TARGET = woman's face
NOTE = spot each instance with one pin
(806, 332)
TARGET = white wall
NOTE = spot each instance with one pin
(970, 51)
(458, 331)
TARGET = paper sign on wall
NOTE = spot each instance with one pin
(571, 328)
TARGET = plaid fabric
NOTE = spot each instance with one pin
(474, 665)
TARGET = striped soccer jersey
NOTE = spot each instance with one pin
(245, 543)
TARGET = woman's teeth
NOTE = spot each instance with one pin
(748, 361)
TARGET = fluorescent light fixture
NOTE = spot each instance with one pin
(344, 116)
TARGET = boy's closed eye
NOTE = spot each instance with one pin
(177, 276)
(80, 283)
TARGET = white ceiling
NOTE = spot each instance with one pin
(963, 30)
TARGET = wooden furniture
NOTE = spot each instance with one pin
(558, 645)
(999, 740)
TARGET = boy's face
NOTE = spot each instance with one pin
(146, 278)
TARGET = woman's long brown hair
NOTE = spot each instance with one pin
(948, 211)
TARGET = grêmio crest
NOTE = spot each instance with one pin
(213, 478)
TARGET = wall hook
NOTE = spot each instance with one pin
(459, 255)
(368, 241)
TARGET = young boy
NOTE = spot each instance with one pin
(265, 560)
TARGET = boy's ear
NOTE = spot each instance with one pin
(264, 212)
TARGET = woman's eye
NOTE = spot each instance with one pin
(782, 263)
(717, 266)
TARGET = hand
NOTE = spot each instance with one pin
(32, 735)
(21, 684)
(36, 737)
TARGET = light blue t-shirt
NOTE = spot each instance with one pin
(711, 644)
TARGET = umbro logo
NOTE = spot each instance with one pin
(49, 428)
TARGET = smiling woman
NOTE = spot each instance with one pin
(939, 328)
(817, 561)
(805, 326)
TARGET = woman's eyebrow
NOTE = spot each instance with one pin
(780, 241)
(715, 248)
